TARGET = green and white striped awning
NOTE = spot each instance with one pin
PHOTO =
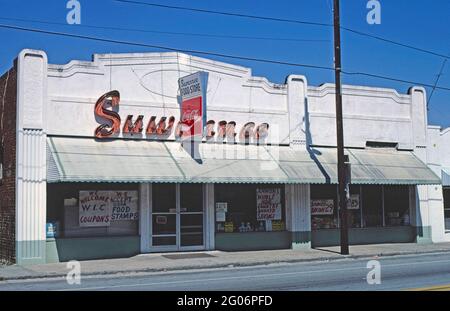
(90, 160)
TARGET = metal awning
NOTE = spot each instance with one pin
(90, 160)
(446, 176)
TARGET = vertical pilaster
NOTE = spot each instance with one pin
(31, 170)
(297, 94)
(421, 220)
(419, 214)
(298, 215)
(209, 216)
(145, 216)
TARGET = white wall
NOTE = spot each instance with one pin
(148, 84)
(435, 196)
(444, 147)
(370, 114)
(296, 112)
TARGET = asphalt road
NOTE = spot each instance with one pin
(431, 272)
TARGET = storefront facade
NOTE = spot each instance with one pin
(439, 148)
(88, 173)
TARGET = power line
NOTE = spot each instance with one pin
(436, 82)
(395, 43)
(188, 51)
(165, 32)
(361, 73)
(275, 19)
(161, 47)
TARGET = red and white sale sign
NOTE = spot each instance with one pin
(193, 105)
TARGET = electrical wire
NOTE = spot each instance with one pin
(275, 19)
(223, 36)
(199, 52)
(161, 47)
(438, 77)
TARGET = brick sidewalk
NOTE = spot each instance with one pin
(214, 259)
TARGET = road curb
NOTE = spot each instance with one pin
(222, 265)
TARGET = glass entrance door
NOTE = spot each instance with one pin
(164, 216)
(177, 217)
(191, 215)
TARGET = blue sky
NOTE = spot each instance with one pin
(420, 23)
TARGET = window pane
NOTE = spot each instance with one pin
(236, 208)
(191, 229)
(164, 198)
(396, 205)
(164, 224)
(191, 198)
(165, 240)
(63, 210)
(324, 211)
(372, 206)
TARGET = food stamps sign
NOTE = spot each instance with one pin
(193, 104)
(268, 204)
(99, 208)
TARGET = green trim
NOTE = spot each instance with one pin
(30, 252)
(362, 236)
(423, 234)
(65, 249)
(252, 241)
(301, 240)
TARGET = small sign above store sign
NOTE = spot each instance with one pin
(193, 105)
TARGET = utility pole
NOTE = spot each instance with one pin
(340, 133)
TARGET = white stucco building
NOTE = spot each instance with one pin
(71, 195)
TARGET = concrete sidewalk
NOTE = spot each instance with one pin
(214, 259)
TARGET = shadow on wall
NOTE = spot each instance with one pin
(313, 153)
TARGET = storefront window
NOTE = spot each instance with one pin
(366, 205)
(324, 212)
(446, 191)
(372, 207)
(249, 208)
(396, 205)
(92, 210)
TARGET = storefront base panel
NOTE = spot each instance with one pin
(301, 240)
(30, 252)
(61, 250)
(423, 235)
(252, 241)
(357, 236)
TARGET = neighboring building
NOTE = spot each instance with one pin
(439, 161)
(266, 177)
(445, 161)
